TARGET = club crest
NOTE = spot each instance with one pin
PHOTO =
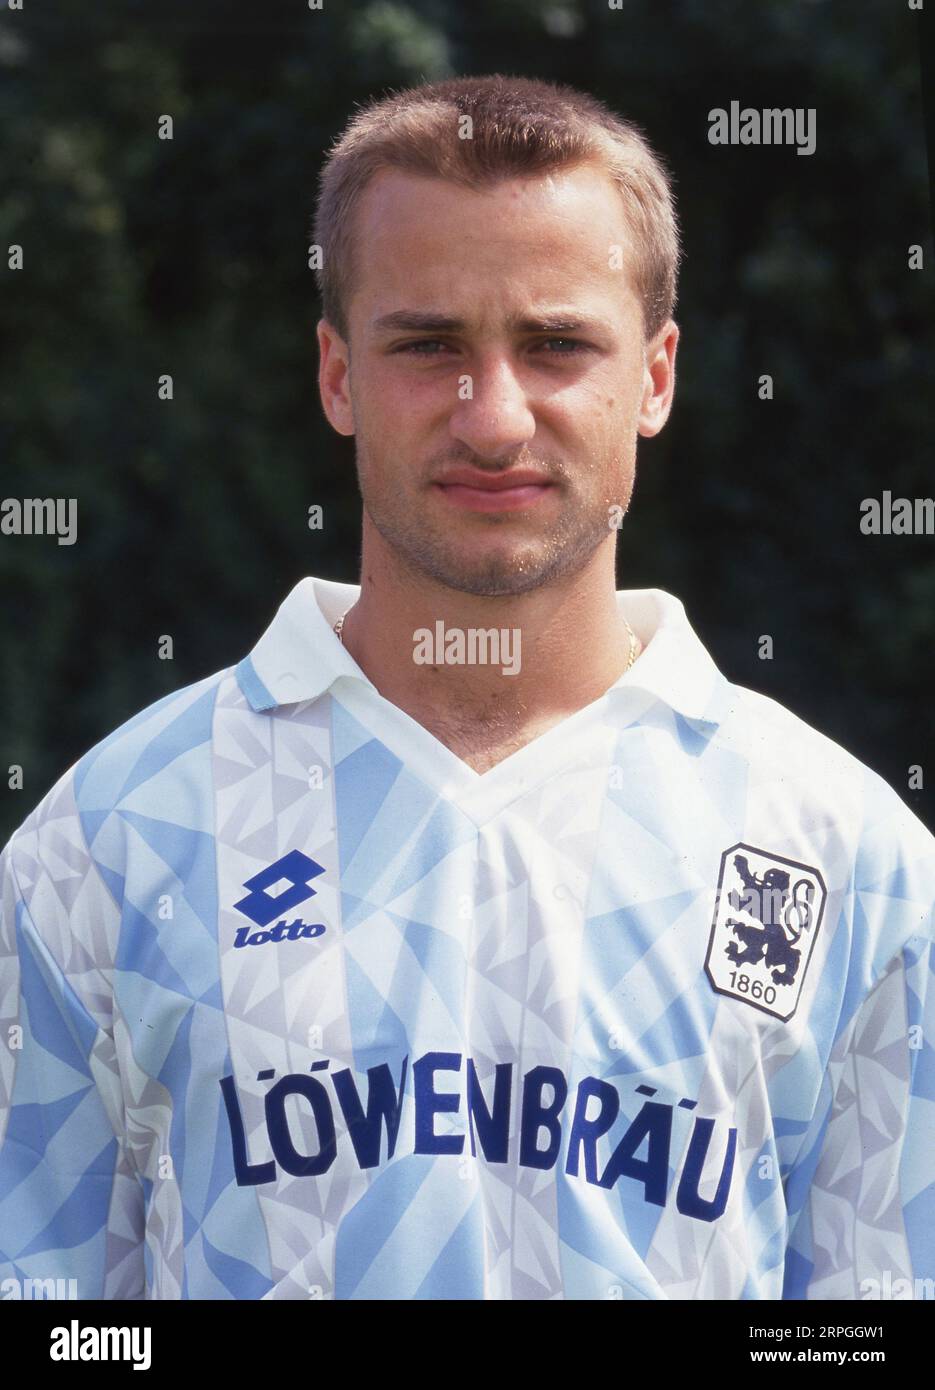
(765, 924)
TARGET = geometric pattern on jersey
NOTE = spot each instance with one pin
(541, 928)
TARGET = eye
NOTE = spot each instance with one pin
(568, 346)
(557, 347)
(422, 347)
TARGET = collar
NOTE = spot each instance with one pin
(299, 658)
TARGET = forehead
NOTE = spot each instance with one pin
(547, 234)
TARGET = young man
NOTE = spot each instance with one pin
(474, 937)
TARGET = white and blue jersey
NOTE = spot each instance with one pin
(295, 1004)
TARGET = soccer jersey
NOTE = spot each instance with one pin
(295, 1004)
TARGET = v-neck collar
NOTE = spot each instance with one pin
(298, 658)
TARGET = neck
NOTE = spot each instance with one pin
(557, 648)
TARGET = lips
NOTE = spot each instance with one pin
(493, 482)
(474, 490)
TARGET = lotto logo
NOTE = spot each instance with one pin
(260, 906)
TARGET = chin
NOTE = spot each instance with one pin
(494, 577)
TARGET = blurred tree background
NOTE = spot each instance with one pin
(189, 257)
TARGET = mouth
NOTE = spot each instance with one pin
(493, 492)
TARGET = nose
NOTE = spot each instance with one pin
(495, 420)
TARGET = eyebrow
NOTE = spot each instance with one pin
(413, 321)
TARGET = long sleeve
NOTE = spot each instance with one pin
(71, 1204)
(861, 1196)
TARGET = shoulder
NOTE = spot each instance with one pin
(154, 766)
(770, 734)
(161, 736)
(892, 851)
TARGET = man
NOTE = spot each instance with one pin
(474, 937)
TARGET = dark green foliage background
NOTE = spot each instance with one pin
(190, 257)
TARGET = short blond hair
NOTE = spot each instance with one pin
(519, 127)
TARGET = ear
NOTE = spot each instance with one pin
(334, 378)
(658, 380)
